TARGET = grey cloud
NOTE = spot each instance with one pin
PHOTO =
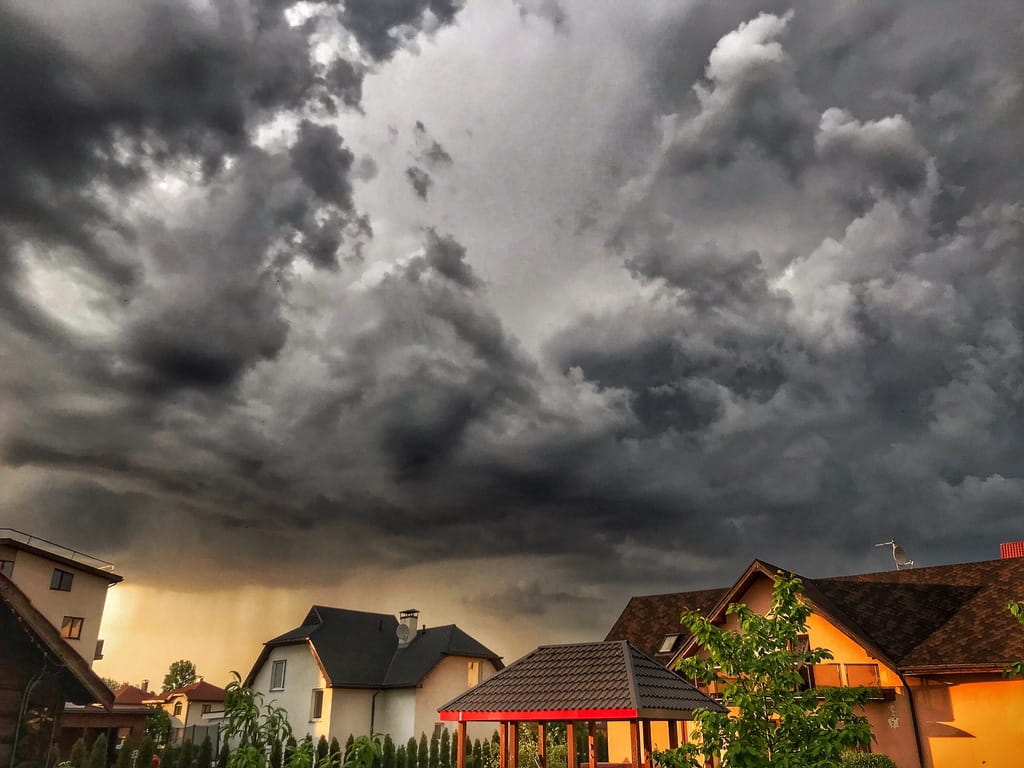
(420, 181)
(324, 163)
(552, 11)
(382, 27)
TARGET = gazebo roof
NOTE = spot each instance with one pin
(580, 681)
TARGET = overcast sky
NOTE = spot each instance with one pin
(504, 310)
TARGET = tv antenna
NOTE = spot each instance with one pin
(898, 554)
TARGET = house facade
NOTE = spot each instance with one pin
(348, 672)
(195, 711)
(68, 587)
(931, 643)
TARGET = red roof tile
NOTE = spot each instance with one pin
(198, 691)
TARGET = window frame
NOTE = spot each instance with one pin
(314, 699)
(61, 580)
(206, 709)
(68, 624)
(669, 642)
(7, 567)
(273, 673)
(177, 708)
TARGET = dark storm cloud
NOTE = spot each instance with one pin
(821, 217)
(419, 180)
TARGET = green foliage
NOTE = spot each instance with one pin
(434, 753)
(323, 749)
(388, 757)
(349, 743)
(290, 745)
(400, 759)
(169, 757)
(181, 673)
(276, 754)
(146, 751)
(98, 753)
(445, 748)
(158, 725)
(112, 684)
(366, 752)
(223, 757)
(252, 725)
(771, 723)
(410, 753)
(124, 754)
(865, 760)
(335, 749)
(79, 754)
(186, 755)
(455, 751)
(423, 753)
(1016, 668)
(204, 756)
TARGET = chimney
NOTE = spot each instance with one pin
(1010, 549)
(408, 618)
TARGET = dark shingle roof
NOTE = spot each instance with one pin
(359, 649)
(582, 676)
(200, 690)
(646, 620)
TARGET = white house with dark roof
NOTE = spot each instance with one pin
(352, 672)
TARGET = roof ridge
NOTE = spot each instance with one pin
(627, 657)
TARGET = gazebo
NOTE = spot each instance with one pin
(579, 683)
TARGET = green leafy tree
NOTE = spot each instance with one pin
(423, 753)
(112, 684)
(770, 722)
(79, 754)
(158, 725)
(866, 760)
(147, 748)
(204, 756)
(252, 725)
(387, 755)
(180, 673)
(434, 753)
(98, 753)
(1016, 668)
(446, 749)
(366, 752)
(410, 754)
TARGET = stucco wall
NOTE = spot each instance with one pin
(444, 682)
(302, 675)
(88, 595)
(350, 712)
(396, 714)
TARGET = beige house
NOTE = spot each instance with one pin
(350, 672)
(68, 587)
(194, 709)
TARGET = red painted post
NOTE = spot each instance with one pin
(503, 745)
(513, 745)
(542, 745)
(634, 743)
(572, 759)
(460, 734)
(591, 749)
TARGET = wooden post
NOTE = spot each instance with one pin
(571, 758)
(503, 745)
(513, 745)
(591, 749)
(648, 746)
(634, 743)
(673, 734)
(542, 745)
(460, 734)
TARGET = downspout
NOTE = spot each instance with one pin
(373, 710)
(913, 719)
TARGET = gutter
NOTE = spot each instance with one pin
(373, 709)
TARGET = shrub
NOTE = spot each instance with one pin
(98, 753)
(866, 760)
(78, 754)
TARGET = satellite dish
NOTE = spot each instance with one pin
(403, 633)
(899, 555)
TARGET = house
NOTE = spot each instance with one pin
(125, 720)
(931, 642)
(66, 586)
(39, 672)
(348, 672)
(195, 711)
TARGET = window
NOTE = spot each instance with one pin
(669, 643)
(207, 708)
(277, 675)
(71, 627)
(474, 672)
(177, 708)
(6, 566)
(61, 580)
(316, 707)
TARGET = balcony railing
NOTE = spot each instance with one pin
(56, 549)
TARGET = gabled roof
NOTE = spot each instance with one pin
(358, 649)
(21, 621)
(129, 694)
(920, 619)
(580, 681)
(200, 690)
(647, 620)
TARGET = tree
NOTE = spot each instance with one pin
(434, 753)
(455, 751)
(158, 725)
(446, 749)
(349, 742)
(252, 725)
(204, 756)
(335, 751)
(146, 750)
(186, 755)
(387, 755)
(366, 752)
(323, 749)
(478, 754)
(181, 673)
(1015, 668)
(124, 754)
(98, 753)
(410, 754)
(79, 754)
(400, 759)
(112, 684)
(423, 752)
(276, 755)
(769, 722)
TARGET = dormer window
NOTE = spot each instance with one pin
(669, 643)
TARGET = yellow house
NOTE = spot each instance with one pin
(931, 642)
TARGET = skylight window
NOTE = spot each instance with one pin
(669, 643)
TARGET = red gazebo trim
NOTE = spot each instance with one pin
(542, 715)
